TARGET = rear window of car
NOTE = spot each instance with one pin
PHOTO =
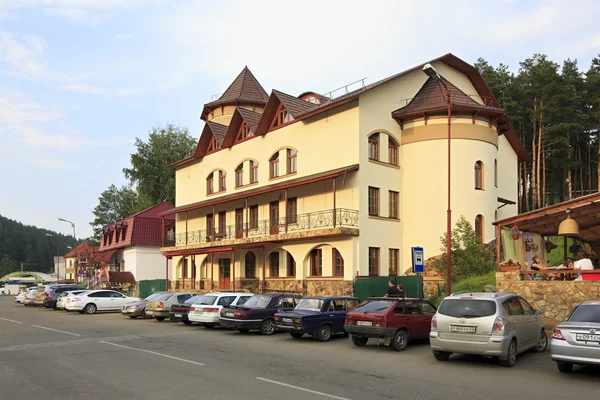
(163, 297)
(194, 299)
(207, 300)
(374, 306)
(461, 308)
(258, 301)
(587, 313)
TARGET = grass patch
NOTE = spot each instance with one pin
(475, 283)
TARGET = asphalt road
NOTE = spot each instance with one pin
(47, 354)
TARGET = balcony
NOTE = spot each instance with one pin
(339, 221)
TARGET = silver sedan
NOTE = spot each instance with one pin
(577, 340)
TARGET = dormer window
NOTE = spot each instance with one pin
(213, 145)
(281, 117)
(243, 132)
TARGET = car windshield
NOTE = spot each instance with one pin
(207, 300)
(374, 306)
(461, 308)
(258, 301)
(163, 297)
(152, 296)
(194, 299)
(310, 305)
(587, 313)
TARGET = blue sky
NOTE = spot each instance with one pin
(80, 79)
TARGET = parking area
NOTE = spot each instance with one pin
(60, 355)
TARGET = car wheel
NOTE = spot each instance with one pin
(187, 322)
(400, 341)
(267, 327)
(565, 368)
(296, 335)
(160, 318)
(511, 355)
(324, 333)
(208, 326)
(133, 316)
(359, 340)
(243, 330)
(441, 355)
(90, 308)
(542, 342)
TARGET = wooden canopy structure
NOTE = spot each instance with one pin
(545, 221)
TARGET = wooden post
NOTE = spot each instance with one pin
(166, 272)
(334, 205)
(214, 224)
(287, 212)
(565, 248)
(162, 231)
(212, 268)
(247, 211)
(233, 268)
(186, 228)
(193, 270)
(498, 245)
(264, 268)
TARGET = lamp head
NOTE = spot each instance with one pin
(431, 72)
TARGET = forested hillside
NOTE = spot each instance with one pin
(28, 245)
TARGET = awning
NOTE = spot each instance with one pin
(175, 253)
(121, 277)
(104, 257)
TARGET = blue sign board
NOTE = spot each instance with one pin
(418, 260)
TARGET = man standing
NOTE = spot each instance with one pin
(392, 291)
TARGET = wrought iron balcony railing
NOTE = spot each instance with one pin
(340, 217)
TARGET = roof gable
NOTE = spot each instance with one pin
(211, 130)
(294, 106)
(240, 116)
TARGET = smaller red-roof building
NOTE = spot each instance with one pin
(81, 258)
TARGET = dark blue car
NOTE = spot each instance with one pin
(318, 316)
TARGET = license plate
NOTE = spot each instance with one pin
(177, 315)
(229, 314)
(288, 320)
(463, 329)
(364, 323)
(584, 337)
(149, 312)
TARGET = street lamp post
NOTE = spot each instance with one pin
(74, 245)
(57, 268)
(432, 73)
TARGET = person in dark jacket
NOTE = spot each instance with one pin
(392, 291)
(401, 292)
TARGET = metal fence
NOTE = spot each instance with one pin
(152, 286)
(376, 286)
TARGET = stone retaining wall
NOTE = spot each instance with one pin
(556, 299)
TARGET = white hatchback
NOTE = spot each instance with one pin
(65, 297)
(99, 300)
(208, 308)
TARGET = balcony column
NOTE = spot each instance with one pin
(264, 267)
(233, 268)
(186, 228)
(162, 231)
(212, 268)
(247, 211)
(286, 209)
(213, 230)
(334, 205)
(166, 272)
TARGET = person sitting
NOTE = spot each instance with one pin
(538, 265)
(392, 291)
(583, 263)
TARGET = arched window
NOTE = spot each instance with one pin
(253, 171)
(374, 147)
(496, 173)
(243, 132)
(479, 226)
(392, 151)
(274, 165)
(292, 164)
(239, 175)
(338, 263)
(274, 264)
(316, 262)
(291, 265)
(281, 117)
(250, 263)
(479, 175)
(210, 183)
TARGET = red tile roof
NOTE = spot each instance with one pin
(143, 228)
(84, 250)
(240, 115)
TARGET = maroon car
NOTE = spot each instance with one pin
(396, 320)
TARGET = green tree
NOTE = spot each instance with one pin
(115, 204)
(7, 265)
(149, 173)
(469, 255)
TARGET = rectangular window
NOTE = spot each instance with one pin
(253, 172)
(373, 261)
(392, 154)
(373, 201)
(291, 266)
(221, 181)
(210, 224)
(239, 178)
(291, 161)
(393, 262)
(338, 263)
(222, 222)
(274, 265)
(292, 208)
(316, 262)
(274, 168)
(393, 202)
(253, 217)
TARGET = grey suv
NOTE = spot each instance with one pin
(48, 295)
(489, 324)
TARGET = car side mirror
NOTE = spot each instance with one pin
(538, 312)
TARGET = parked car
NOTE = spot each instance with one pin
(577, 340)
(29, 297)
(20, 297)
(318, 316)
(159, 308)
(65, 297)
(206, 310)
(179, 312)
(258, 312)
(47, 295)
(499, 325)
(98, 300)
(396, 320)
(137, 308)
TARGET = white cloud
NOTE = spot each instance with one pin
(122, 36)
(72, 14)
(60, 141)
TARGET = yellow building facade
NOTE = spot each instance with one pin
(304, 193)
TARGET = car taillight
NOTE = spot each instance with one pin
(48, 296)
(433, 323)
(223, 312)
(210, 309)
(75, 299)
(160, 304)
(498, 325)
(193, 308)
(240, 315)
(557, 334)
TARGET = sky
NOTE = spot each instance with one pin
(81, 79)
